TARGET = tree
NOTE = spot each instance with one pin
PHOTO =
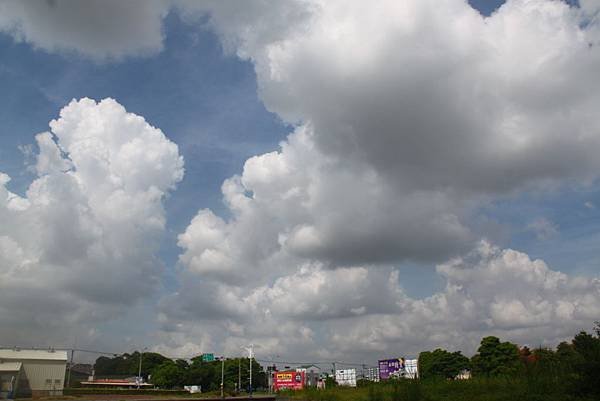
(442, 364)
(494, 358)
(587, 366)
(168, 375)
(128, 364)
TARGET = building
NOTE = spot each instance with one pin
(372, 374)
(464, 374)
(346, 377)
(131, 382)
(9, 377)
(312, 374)
(32, 372)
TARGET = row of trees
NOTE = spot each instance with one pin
(168, 373)
(576, 362)
(128, 364)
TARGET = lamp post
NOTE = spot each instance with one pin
(222, 376)
(140, 370)
(250, 350)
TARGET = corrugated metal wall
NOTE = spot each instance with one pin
(44, 376)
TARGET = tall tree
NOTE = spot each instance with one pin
(442, 364)
(495, 358)
(588, 365)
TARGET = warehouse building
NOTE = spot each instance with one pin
(9, 377)
(32, 373)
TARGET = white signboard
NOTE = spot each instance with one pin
(346, 377)
(411, 368)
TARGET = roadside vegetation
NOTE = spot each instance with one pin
(501, 371)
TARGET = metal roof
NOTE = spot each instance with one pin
(10, 366)
(36, 354)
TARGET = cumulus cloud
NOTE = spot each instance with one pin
(363, 313)
(409, 117)
(98, 29)
(300, 202)
(81, 243)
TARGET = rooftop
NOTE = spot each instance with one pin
(35, 354)
(10, 366)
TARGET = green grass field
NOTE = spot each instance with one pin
(498, 389)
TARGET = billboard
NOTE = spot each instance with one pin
(208, 357)
(391, 368)
(288, 380)
(412, 368)
(346, 377)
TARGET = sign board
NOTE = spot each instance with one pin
(391, 368)
(346, 377)
(208, 357)
(288, 380)
(193, 389)
(411, 367)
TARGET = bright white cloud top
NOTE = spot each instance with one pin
(408, 118)
(80, 247)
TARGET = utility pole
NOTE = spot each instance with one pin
(250, 350)
(140, 370)
(70, 368)
(334, 378)
(222, 376)
(239, 375)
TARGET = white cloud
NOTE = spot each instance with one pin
(81, 244)
(363, 313)
(412, 116)
(109, 30)
(409, 117)
(300, 202)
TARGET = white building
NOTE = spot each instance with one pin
(33, 373)
(312, 374)
(346, 377)
(372, 374)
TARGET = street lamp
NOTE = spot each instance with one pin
(139, 381)
(222, 376)
(250, 350)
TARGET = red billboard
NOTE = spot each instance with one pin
(288, 380)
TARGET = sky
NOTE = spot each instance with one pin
(327, 180)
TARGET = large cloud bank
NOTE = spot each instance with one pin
(410, 116)
(80, 247)
(362, 313)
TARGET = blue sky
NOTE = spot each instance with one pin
(202, 99)
(210, 88)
